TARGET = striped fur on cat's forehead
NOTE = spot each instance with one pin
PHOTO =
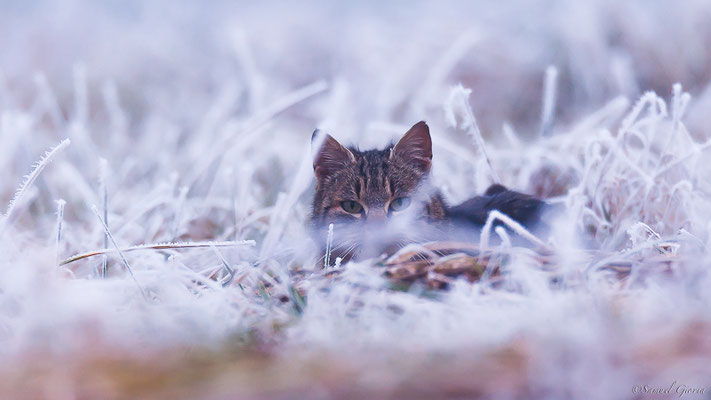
(372, 182)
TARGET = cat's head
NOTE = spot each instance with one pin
(374, 197)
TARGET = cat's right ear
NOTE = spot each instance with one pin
(415, 147)
(329, 155)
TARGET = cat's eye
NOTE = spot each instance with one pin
(400, 203)
(351, 206)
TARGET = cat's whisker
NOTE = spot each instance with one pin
(350, 249)
(341, 246)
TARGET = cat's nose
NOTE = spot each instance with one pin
(376, 215)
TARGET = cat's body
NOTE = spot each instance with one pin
(379, 200)
(525, 209)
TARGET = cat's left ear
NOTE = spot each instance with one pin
(329, 155)
(415, 147)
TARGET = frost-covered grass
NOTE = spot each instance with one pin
(159, 249)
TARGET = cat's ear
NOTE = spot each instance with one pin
(415, 147)
(329, 155)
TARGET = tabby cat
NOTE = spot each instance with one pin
(380, 200)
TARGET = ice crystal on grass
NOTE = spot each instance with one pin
(29, 180)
